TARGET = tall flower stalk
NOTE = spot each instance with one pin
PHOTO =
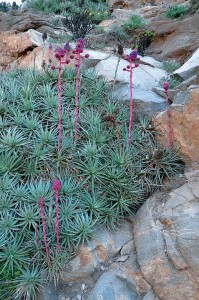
(78, 51)
(133, 59)
(169, 131)
(41, 206)
(55, 187)
(60, 54)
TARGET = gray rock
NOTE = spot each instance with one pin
(189, 69)
(167, 239)
(114, 285)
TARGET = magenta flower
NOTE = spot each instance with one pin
(133, 59)
(60, 53)
(166, 86)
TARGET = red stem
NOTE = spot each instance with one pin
(56, 219)
(40, 202)
(169, 133)
(131, 103)
(77, 96)
(59, 107)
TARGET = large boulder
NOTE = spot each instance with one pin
(166, 240)
(18, 44)
(155, 257)
(23, 20)
(174, 39)
(184, 124)
(190, 67)
(145, 78)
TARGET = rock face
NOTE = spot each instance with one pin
(145, 78)
(190, 68)
(184, 120)
(23, 20)
(174, 39)
(166, 239)
(153, 257)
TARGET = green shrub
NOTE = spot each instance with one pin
(170, 66)
(142, 40)
(194, 5)
(176, 11)
(103, 179)
(173, 82)
(133, 22)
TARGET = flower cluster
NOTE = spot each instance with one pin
(79, 49)
(60, 54)
(133, 59)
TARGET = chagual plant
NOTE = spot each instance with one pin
(133, 59)
(176, 11)
(100, 182)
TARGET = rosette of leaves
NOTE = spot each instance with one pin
(103, 179)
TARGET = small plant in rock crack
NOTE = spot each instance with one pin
(133, 59)
(80, 24)
(101, 180)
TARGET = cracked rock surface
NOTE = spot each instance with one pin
(153, 256)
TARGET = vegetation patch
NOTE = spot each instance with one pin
(102, 178)
(176, 11)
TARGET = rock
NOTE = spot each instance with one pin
(106, 24)
(24, 5)
(184, 122)
(23, 20)
(99, 251)
(190, 68)
(174, 39)
(144, 79)
(170, 265)
(114, 285)
(172, 93)
(13, 45)
(185, 84)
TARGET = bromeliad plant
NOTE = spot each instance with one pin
(133, 59)
(100, 182)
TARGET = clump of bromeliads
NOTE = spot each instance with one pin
(68, 165)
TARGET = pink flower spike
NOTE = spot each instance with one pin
(166, 85)
(56, 185)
